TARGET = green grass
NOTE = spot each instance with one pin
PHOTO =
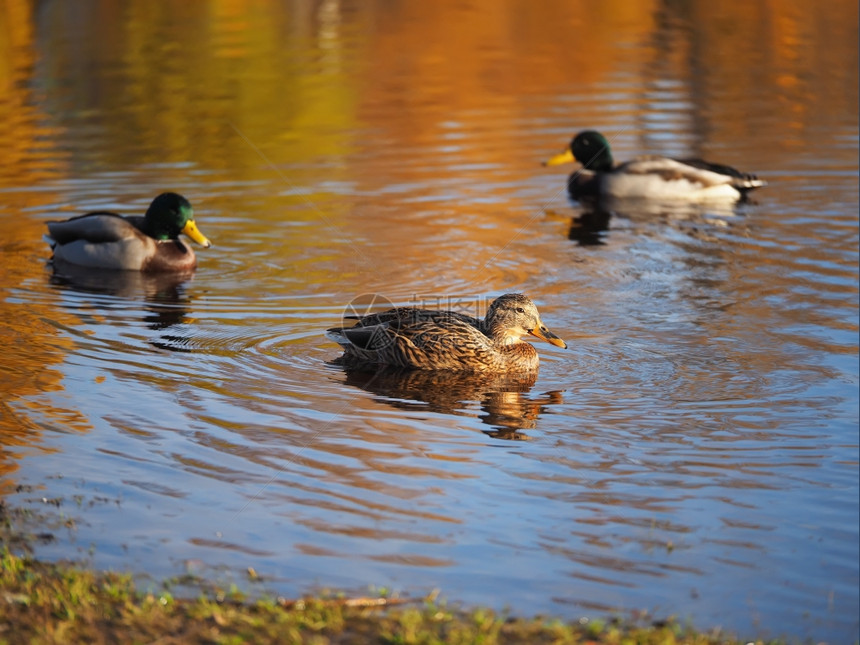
(61, 603)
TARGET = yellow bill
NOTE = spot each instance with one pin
(564, 157)
(190, 229)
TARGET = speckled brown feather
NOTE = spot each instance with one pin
(442, 340)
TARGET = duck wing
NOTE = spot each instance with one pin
(694, 171)
(743, 179)
(411, 315)
(432, 340)
(109, 241)
(95, 228)
(452, 343)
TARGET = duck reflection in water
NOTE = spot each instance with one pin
(447, 359)
(164, 296)
(503, 400)
(592, 226)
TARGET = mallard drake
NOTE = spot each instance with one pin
(447, 340)
(648, 177)
(150, 243)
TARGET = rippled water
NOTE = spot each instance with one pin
(693, 453)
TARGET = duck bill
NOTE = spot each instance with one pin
(545, 334)
(190, 229)
(564, 157)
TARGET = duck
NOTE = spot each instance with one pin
(105, 240)
(426, 339)
(649, 177)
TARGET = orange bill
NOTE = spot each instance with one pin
(545, 334)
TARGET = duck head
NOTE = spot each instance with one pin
(590, 148)
(512, 316)
(170, 214)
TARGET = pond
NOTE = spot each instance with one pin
(694, 451)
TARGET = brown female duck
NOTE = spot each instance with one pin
(447, 340)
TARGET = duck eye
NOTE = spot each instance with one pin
(520, 310)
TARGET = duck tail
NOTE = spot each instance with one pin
(336, 334)
(751, 181)
(747, 183)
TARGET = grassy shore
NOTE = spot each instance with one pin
(44, 602)
(60, 603)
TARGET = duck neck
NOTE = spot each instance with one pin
(601, 161)
(156, 229)
(503, 336)
(518, 354)
(497, 333)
